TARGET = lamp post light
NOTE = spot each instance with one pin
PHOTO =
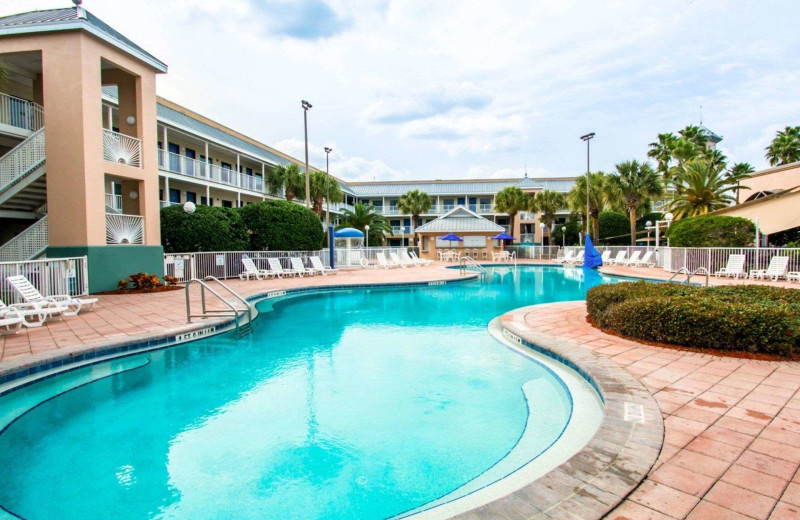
(588, 137)
(306, 105)
(563, 237)
(647, 226)
(657, 226)
(542, 226)
(328, 151)
(366, 228)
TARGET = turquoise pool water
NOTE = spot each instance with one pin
(350, 404)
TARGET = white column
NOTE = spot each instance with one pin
(208, 194)
(238, 199)
(110, 117)
(166, 188)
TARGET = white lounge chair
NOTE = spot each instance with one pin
(619, 259)
(567, 258)
(644, 261)
(606, 256)
(632, 260)
(30, 294)
(400, 261)
(276, 267)
(299, 268)
(32, 314)
(250, 269)
(421, 261)
(578, 259)
(405, 258)
(734, 267)
(318, 266)
(385, 263)
(10, 322)
(778, 265)
(793, 276)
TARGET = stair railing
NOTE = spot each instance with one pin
(231, 310)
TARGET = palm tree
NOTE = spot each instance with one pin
(414, 203)
(635, 183)
(511, 200)
(364, 215)
(548, 202)
(661, 151)
(322, 187)
(695, 135)
(785, 148)
(701, 188)
(600, 197)
(289, 178)
(737, 173)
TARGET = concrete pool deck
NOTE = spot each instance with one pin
(731, 426)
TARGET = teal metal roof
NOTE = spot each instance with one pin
(460, 220)
(477, 187)
(72, 18)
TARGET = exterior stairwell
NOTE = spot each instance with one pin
(23, 194)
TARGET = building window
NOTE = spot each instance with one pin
(227, 204)
(191, 197)
(175, 195)
(203, 200)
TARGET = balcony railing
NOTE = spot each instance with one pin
(401, 230)
(114, 202)
(175, 163)
(165, 203)
(21, 113)
(121, 148)
(124, 229)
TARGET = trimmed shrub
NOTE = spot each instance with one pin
(614, 229)
(653, 217)
(738, 318)
(279, 225)
(572, 237)
(207, 229)
(710, 231)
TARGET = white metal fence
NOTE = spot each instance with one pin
(176, 163)
(535, 252)
(352, 257)
(121, 148)
(714, 258)
(51, 277)
(21, 159)
(21, 113)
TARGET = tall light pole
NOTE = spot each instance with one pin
(366, 228)
(306, 105)
(588, 137)
(563, 237)
(328, 151)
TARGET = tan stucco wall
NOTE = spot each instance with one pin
(431, 252)
(772, 179)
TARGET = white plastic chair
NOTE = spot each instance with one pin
(778, 265)
(276, 267)
(299, 268)
(250, 269)
(383, 262)
(632, 260)
(418, 260)
(606, 256)
(644, 260)
(619, 259)
(734, 267)
(318, 266)
(567, 258)
(32, 314)
(31, 294)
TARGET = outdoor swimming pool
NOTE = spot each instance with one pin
(346, 404)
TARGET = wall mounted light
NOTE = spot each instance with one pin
(133, 195)
(131, 120)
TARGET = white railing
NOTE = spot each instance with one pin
(227, 264)
(51, 277)
(26, 156)
(485, 208)
(401, 230)
(164, 203)
(124, 229)
(714, 258)
(21, 113)
(176, 163)
(121, 148)
(114, 201)
(352, 257)
(29, 244)
(535, 252)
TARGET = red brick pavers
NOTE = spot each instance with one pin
(732, 426)
(121, 318)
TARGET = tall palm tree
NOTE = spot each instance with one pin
(695, 135)
(785, 148)
(661, 151)
(548, 202)
(322, 187)
(739, 172)
(600, 197)
(702, 187)
(363, 215)
(414, 203)
(635, 183)
(511, 200)
(289, 178)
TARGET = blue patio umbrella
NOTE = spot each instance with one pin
(591, 258)
(503, 236)
(450, 237)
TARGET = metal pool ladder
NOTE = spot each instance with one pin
(683, 270)
(232, 305)
(465, 261)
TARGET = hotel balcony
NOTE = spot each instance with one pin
(401, 230)
(113, 203)
(18, 116)
(122, 149)
(174, 163)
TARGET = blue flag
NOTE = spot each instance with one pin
(591, 258)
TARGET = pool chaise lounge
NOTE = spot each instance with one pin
(568, 257)
(30, 294)
(419, 261)
(619, 259)
(10, 322)
(644, 261)
(734, 267)
(33, 314)
(318, 266)
(778, 267)
(299, 268)
(250, 269)
(276, 267)
(383, 262)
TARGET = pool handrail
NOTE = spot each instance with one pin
(210, 313)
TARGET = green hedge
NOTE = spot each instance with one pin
(279, 225)
(738, 318)
(710, 231)
(207, 229)
(614, 229)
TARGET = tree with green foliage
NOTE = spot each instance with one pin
(289, 178)
(701, 188)
(737, 173)
(601, 196)
(324, 188)
(414, 203)
(635, 183)
(363, 215)
(548, 202)
(279, 225)
(712, 231)
(785, 147)
(613, 228)
(207, 229)
(511, 200)
(672, 152)
(570, 237)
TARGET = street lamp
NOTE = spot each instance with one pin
(543, 226)
(588, 137)
(328, 151)
(366, 228)
(563, 236)
(306, 105)
(649, 225)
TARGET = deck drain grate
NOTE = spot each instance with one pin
(634, 413)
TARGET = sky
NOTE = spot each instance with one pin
(472, 89)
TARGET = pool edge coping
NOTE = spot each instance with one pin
(596, 479)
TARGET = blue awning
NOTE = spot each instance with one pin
(348, 232)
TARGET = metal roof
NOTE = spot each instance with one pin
(460, 220)
(477, 187)
(73, 18)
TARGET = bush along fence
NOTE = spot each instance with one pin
(228, 264)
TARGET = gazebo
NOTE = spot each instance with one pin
(475, 231)
(347, 243)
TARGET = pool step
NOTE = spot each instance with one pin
(245, 329)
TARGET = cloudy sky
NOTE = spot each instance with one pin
(464, 89)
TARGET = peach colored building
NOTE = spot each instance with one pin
(769, 181)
